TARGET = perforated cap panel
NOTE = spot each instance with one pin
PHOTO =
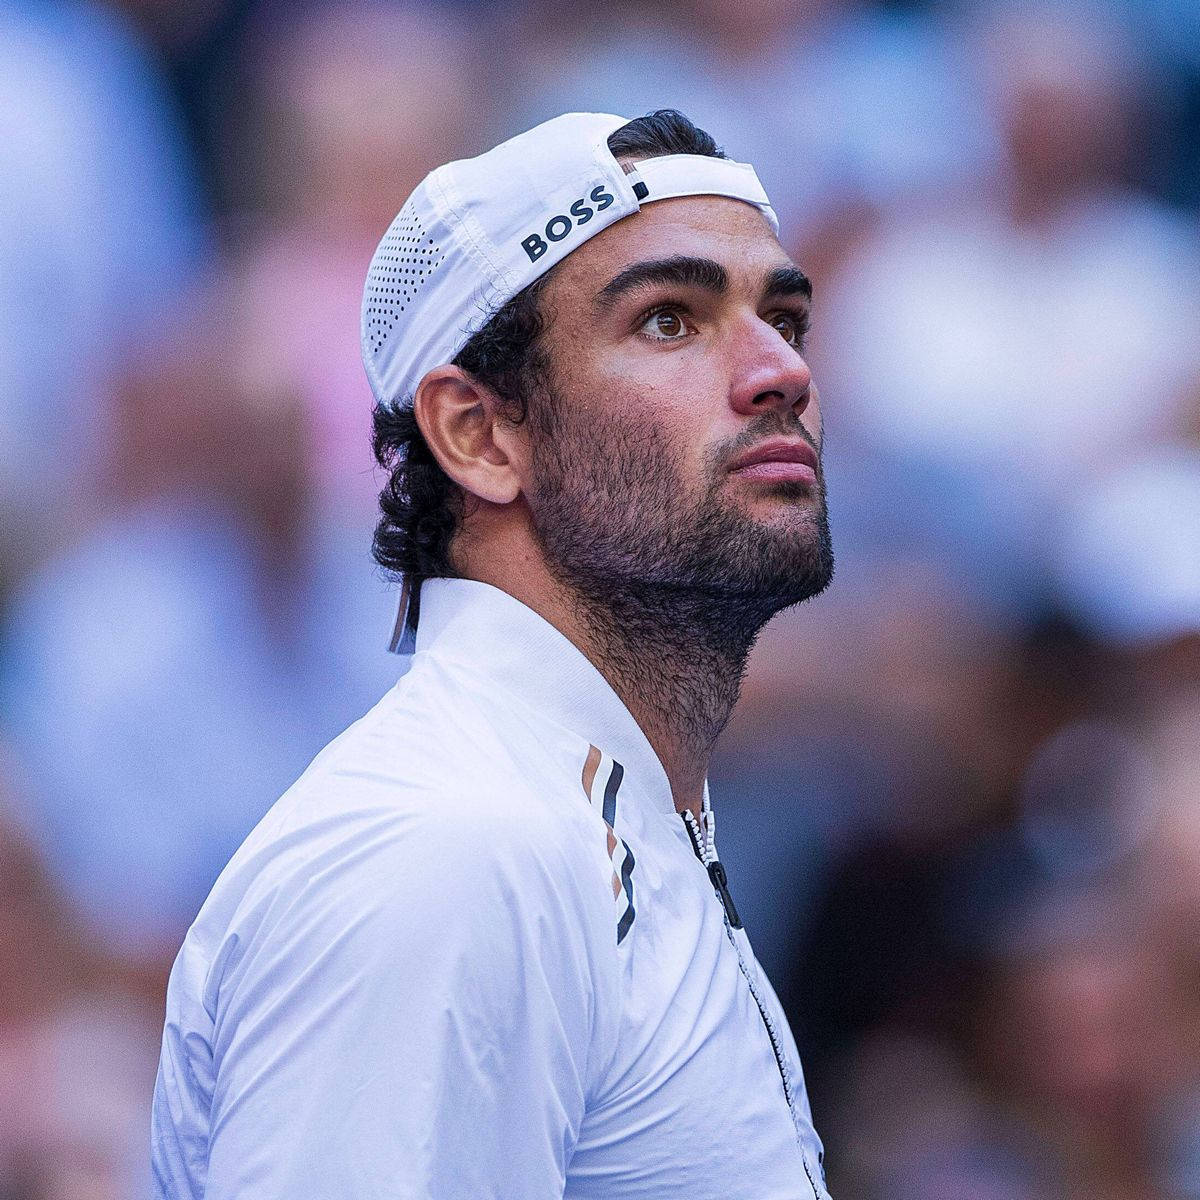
(404, 264)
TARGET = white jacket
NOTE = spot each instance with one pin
(471, 953)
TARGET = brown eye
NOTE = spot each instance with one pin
(787, 328)
(665, 325)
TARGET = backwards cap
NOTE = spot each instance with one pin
(478, 231)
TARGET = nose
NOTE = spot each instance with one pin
(771, 374)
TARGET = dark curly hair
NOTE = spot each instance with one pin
(421, 506)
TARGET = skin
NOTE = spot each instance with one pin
(706, 378)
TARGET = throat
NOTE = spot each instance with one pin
(676, 659)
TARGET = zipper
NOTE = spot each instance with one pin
(777, 1049)
(772, 1033)
(720, 881)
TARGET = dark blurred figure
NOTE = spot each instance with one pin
(963, 711)
(1076, 1042)
(1008, 1010)
(196, 43)
(77, 1052)
(1169, 33)
(1061, 1080)
(868, 716)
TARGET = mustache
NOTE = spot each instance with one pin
(769, 425)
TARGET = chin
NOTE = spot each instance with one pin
(789, 555)
(795, 495)
(790, 512)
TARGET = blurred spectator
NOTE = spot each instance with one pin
(1129, 555)
(843, 107)
(988, 359)
(100, 227)
(1168, 31)
(1078, 1041)
(170, 678)
(196, 43)
(1034, 979)
(344, 121)
(873, 712)
(1058, 1086)
(77, 1057)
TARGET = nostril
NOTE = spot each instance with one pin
(778, 399)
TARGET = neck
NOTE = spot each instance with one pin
(676, 659)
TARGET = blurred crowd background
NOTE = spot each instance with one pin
(960, 801)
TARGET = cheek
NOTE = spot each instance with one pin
(672, 399)
(665, 410)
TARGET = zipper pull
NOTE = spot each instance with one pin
(716, 872)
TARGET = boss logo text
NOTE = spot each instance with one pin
(557, 228)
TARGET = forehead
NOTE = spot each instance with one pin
(734, 234)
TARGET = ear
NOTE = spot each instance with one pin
(464, 426)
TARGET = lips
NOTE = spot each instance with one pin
(778, 461)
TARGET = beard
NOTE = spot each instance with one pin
(673, 582)
(622, 530)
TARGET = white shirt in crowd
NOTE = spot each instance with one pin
(472, 953)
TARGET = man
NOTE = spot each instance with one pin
(484, 946)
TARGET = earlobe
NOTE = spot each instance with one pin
(461, 420)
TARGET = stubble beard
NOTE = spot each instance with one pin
(674, 587)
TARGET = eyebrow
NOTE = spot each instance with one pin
(680, 271)
(686, 271)
(788, 281)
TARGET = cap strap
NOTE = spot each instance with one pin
(404, 632)
(675, 175)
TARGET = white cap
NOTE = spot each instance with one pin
(478, 231)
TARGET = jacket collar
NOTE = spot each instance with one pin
(506, 643)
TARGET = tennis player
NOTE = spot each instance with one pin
(485, 946)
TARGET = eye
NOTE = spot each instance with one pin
(665, 325)
(792, 327)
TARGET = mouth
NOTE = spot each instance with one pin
(778, 461)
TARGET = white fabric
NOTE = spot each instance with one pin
(478, 231)
(408, 981)
(699, 175)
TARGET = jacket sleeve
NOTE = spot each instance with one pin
(416, 1017)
